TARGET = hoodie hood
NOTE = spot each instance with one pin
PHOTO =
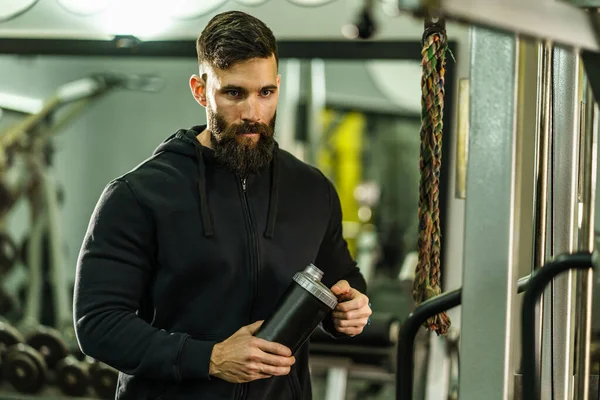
(185, 143)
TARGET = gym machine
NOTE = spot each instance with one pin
(35, 356)
(562, 42)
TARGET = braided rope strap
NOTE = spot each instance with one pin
(427, 273)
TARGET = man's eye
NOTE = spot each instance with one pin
(267, 92)
(233, 93)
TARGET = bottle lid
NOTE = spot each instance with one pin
(310, 279)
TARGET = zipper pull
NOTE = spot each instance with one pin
(244, 185)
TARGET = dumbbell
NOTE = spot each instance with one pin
(73, 376)
(49, 343)
(24, 365)
(9, 336)
(25, 368)
(104, 379)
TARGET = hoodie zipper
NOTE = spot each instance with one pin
(255, 253)
(255, 262)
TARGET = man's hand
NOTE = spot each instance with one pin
(244, 358)
(353, 310)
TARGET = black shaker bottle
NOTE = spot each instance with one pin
(300, 310)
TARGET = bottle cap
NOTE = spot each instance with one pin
(310, 279)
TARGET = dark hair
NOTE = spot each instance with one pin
(235, 36)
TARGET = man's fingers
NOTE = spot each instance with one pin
(340, 287)
(343, 323)
(362, 313)
(274, 371)
(351, 331)
(252, 328)
(273, 348)
(261, 371)
(273, 360)
(354, 304)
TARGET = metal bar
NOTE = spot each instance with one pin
(542, 174)
(556, 21)
(316, 102)
(537, 284)
(584, 293)
(462, 138)
(564, 215)
(543, 156)
(408, 332)
(489, 269)
(411, 326)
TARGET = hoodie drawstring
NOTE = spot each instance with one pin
(273, 198)
(206, 222)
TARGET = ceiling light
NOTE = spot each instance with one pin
(188, 9)
(86, 7)
(310, 3)
(251, 2)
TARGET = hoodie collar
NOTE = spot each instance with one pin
(206, 157)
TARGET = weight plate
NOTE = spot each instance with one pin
(25, 369)
(104, 380)
(49, 343)
(9, 336)
(72, 377)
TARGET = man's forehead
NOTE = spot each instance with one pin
(256, 72)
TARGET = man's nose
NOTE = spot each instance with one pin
(251, 110)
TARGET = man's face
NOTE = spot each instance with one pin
(241, 105)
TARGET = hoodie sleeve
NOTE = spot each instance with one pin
(114, 267)
(334, 256)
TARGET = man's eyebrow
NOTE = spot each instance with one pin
(241, 89)
(233, 87)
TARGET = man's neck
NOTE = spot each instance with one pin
(204, 138)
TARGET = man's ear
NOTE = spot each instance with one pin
(278, 80)
(198, 88)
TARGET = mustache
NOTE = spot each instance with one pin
(246, 128)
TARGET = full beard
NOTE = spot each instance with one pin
(239, 154)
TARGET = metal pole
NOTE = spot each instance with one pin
(543, 155)
(489, 270)
(317, 102)
(541, 194)
(564, 216)
(584, 293)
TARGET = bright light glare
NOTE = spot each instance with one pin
(136, 17)
(310, 2)
(86, 7)
(11, 8)
(251, 2)
(187, 9)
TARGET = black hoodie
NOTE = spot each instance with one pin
(180, 253)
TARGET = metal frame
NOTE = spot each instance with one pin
(489, 271)
(564, 204)
(551, 20)
(131, 47)
(537, 284)
(411, 326)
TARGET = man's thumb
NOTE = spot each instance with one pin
(252, 328)
(340, 288)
